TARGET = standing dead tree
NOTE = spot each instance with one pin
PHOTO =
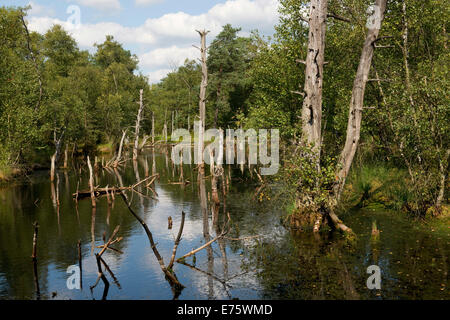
(153, 128)
(315, 60)
(115, 161)
(138, 126)
(91, 183)
(312, 105)
(54, 158)
(357, 99)
(202, 101)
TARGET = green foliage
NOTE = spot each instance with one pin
(48, 87)
(177, 93)
(303, 180)
(229, 86)
(254, 82)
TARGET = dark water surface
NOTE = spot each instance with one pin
(278, 265)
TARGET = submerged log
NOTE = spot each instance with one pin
(112, 190)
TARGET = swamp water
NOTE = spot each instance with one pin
(277, 265)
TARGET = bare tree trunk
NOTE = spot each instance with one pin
(312, 103)
(119, 153)
(153, 128)
(66, 156)
(357, 100)
(202, 102)
(138, 126)
(55, 156)
(143, 143)
(172, 124)
(443, 172)
(91, 182)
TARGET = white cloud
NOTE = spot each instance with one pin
(157, 75)
(147, 2)
(167, 41)
(103, 5)
(37, 10)
(167, 56)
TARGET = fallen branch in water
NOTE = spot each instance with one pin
(177, 241)
(221, 235)
(116, 282)
(169, 273)
(107, 190)
(101, 276)
(106, 245)
(183, 183)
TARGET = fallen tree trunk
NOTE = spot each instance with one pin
(168, 272)
(108, 190)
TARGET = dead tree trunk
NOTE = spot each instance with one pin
(443, 173)
(312, 103)
(66, 156)
(357, 99)
(153, 128)
(171, 132)
(138, 126)
(165, 127)
(91, 183)
(119, 153)
(312, 95)
(54, 158)
(202, 102)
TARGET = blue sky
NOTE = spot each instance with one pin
(160, 32)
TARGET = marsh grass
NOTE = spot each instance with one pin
(379, 185)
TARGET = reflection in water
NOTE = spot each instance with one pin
(276, 265)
